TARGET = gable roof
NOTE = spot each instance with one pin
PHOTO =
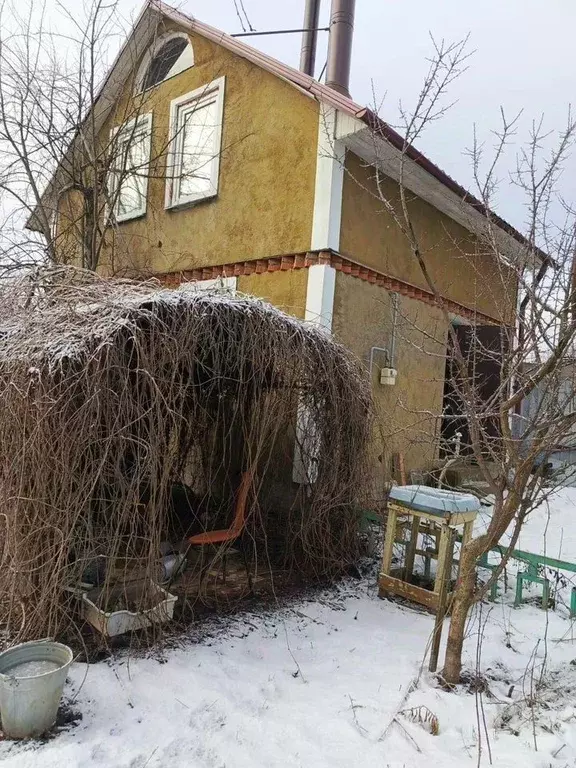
(333, 98)
(155, 10)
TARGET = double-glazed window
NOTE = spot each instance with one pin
(193, 155)
(195, 145)
(130, 167)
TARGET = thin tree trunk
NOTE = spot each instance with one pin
(461, 604)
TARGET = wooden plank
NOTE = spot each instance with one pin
(445, 571)
(389, 541)
(461, 518)
(390, 585)
(442, 554)
(456, 518)
(467, 535)
(411, 549)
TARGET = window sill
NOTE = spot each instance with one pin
(129, 217)
(191, 203)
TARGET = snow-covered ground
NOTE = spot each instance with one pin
(321, 683)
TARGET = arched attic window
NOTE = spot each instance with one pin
(171, 54)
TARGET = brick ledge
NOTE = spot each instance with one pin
(340, 264)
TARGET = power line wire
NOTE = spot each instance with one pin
(241, 20)
(278, 32)
(240, 9)
(250, 27)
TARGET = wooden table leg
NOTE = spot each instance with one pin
(389, 541)
(411, 548)
(443, 588)
(442, 556)
(467, 534)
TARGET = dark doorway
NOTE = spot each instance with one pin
(482, 346)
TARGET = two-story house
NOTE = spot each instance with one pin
(260, 175)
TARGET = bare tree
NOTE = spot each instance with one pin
(529, 348)
(63, 172)
(66, 169)
(48, 81)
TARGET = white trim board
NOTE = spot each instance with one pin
(320, 295)
(330, 157)
(319, 311)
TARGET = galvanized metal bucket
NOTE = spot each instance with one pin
(29, 704)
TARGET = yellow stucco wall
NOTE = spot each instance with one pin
(462, 269)
(264, 208)
(407, 414)
(267, 171)
(285, 290)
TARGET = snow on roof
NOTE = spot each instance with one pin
(67, 313)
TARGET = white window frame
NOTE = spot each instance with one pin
(195, 99)
(151, 53)
(133, 130)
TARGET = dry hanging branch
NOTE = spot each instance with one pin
(114, 391)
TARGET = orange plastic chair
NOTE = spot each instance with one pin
(234, 532)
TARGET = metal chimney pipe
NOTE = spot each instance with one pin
(309, 37)
(340, 45)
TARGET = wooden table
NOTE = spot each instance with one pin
(444, 527)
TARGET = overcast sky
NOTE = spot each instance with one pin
(524, 59)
